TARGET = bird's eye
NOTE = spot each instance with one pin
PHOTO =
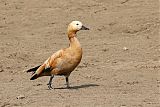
(77, 24)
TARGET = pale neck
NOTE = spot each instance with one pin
(74, 43)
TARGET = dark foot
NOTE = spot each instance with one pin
(68, 87)
(50, 86)
(67, 82)
(50, 82)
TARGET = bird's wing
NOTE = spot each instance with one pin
(52, 61)
(48, 65)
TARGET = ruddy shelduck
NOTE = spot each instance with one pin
(64, 61)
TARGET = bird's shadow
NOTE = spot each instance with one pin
(79, 86)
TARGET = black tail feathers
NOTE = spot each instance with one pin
(33, 69)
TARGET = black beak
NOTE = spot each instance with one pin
(84, 28)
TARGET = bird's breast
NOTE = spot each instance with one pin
(71, 60)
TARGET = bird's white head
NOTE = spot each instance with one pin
(76, 26)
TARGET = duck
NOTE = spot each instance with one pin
(65, 60)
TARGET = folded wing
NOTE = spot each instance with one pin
(47, 66)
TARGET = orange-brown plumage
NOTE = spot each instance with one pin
(64, 61)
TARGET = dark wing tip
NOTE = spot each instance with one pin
(35, 76)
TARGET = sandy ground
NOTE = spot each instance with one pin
(121, 60)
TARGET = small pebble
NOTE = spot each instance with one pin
(125, 48)
(20, 97)
(123, 106)
(1, 70)
(88, 76)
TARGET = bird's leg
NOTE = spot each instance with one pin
(50, 82)
(67, 82)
